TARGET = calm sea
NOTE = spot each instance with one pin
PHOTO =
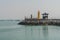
(10, 30)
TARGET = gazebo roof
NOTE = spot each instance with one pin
(45, 13)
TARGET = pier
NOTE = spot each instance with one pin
(39, 21)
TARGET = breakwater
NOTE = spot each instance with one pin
(40, 22)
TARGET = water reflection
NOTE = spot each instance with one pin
(45, 32)
(28, 33)
(36, 33)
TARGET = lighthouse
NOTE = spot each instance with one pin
(38, 16)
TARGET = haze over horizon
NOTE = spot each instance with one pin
(18, 9)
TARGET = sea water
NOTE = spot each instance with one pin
(10, 30)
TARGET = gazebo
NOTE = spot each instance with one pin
(45, 15)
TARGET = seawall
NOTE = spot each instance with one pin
(40, 22)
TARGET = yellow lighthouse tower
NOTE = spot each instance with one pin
(38, 16)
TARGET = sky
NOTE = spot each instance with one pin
(18, 9)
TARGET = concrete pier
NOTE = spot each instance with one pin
(41, 22)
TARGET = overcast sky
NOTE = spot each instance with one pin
(18, 9)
